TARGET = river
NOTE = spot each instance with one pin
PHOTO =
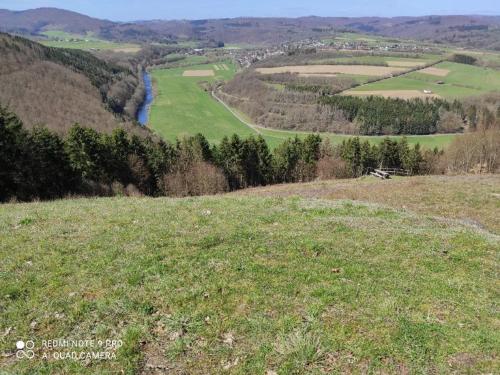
(143, 112)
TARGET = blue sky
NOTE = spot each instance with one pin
(126, 10)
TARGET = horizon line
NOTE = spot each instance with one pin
(260, 17)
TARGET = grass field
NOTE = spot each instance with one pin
(61, 39)
(299, 286)
(182, 107)
(275, 137)
(462, 81)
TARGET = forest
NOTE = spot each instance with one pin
(377, 115)
(57, 87)
(39, 164)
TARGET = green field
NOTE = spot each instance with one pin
(276, 137)
(247, 285)
(182, 107)
(240, 46)
(462, 81)
(61, 39)
(377, 59)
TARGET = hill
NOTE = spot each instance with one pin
(301, 285)
(58, 87)
(472, 31)
(464, 30)
(34, 21)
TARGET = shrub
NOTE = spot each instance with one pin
(332, 168)
(201, 178)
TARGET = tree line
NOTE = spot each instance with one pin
(39, 164)
(378, 116)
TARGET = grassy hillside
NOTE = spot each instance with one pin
(472, 199)
(299, 286)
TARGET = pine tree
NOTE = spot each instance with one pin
(12, 140)
(50, 174)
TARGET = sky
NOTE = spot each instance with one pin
(128, 10)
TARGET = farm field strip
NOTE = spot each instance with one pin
(198, 73)
(400, 94)
(447, 79)
(409, 64)
(435, 71)
(370, 70)
(61, 39)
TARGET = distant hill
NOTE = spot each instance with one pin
(34, 21)
(58, 87)
(470, 31)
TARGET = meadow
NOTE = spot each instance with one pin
(299, 286)
(461, 81)
(275, 137)
(61, 39)
(183, 107)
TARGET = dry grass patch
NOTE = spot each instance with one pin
(317, 75)
(472, 198)
(435, 71)
(400, 94)
(198, 73)
(128, 49)
(367, 70)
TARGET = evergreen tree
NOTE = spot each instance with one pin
(286, 157)
(48, 173)
(388, 155)
(86, 153)
(12, 141)
(351, 153)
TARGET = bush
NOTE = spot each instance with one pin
(332, 168)
(201, 178)
(475, 153)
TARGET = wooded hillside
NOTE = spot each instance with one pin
(59, 87)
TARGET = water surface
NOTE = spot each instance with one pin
(143, 112)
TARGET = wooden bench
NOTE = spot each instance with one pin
(381, 174)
